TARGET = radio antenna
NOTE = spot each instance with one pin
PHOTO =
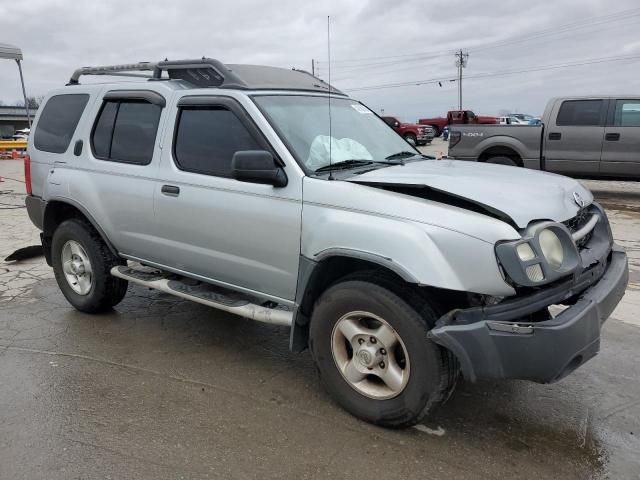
(329, 64)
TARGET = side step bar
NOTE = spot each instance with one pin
(205, 294)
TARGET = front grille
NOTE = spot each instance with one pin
(576, 223)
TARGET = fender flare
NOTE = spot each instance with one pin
(84, 212)
(308, 267)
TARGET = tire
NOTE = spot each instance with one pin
(411, 138)
(78, 239)
(430, 371)
(502, 161)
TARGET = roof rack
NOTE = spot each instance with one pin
(208, 72)
(205, 70)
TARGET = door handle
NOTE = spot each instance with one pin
(555, 136)
(170, 190)
(612, 137)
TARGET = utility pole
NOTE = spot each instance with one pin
(461, 62)
(313, 67)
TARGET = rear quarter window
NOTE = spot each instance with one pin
(58, 122)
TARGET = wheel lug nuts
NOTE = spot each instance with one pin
(381, 364)
(383, 351)
(361, 341)
(373, 340)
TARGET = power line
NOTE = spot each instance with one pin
(589, 22)
(351, 74)
(577, 63)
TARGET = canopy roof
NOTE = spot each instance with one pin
(10, 52)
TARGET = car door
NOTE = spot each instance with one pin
(211, 226)
(114, 166)
(573, 137)
(621, 146)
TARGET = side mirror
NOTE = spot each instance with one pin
(257, 166)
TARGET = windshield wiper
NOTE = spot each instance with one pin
(405, 154)
(343, 164)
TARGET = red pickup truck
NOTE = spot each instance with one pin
(455, 117)
(412, 133)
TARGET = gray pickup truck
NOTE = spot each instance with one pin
(596, 137)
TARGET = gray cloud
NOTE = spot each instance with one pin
(57, 36)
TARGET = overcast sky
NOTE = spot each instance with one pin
(373, 43)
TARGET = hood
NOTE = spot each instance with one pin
(514, 194)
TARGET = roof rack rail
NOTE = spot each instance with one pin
(208, 72)
(202, 72)
(115, 70)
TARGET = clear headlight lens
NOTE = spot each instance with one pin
(551, 247)
(525, 252)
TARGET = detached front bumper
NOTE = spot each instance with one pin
(491, 343)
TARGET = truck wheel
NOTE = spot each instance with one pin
(502, 161)
(82, 264)
(411, 138)
(373, 355)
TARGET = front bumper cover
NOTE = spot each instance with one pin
(491, 343)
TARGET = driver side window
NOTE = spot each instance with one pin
(206, 139)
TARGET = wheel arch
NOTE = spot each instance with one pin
(59, 210)
(330, 266)
(502, 150)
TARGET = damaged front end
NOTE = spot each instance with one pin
(517, 337)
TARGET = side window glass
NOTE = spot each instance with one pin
(58, 122)
(125, 131)
(580, 113)
(206, 139)
(627, 113)
(103, 130)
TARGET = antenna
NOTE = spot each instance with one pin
(329, 64)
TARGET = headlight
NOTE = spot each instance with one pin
(544, 254)
(551, 248)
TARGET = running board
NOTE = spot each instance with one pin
(205, 294)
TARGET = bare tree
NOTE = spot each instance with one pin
(33, 102)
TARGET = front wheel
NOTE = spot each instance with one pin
(411, 138)
(373, 355)
(82, 265)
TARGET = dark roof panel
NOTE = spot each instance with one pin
(260, 77)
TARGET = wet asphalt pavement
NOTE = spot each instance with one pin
(164, 388)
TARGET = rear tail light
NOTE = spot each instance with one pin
(27, 174)
(454, 138)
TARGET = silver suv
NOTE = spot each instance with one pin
(267, 193)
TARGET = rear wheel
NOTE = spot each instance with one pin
(411, 138)
(82, 264)
(503, 161)
(373, 355)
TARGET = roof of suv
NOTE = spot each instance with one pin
(208, 72)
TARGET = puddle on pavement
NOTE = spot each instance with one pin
(472, 417)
